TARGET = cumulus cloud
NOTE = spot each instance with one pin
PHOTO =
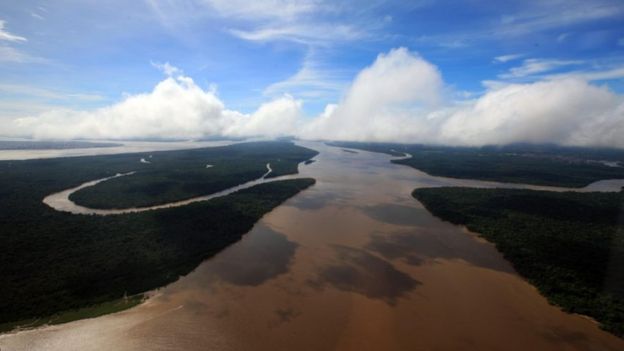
(168, 69)
(568, 111)
(279, 117)
(394, 90)
(400, 97)
(176, 108)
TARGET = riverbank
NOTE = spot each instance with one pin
(540, 165)
(94, 311)
(569, 245)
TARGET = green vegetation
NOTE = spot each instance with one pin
(180, 175)
(570, 245)
(53, 262)
(521, 163)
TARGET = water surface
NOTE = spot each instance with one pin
(126, 147)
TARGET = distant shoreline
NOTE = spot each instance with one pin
(52, 145)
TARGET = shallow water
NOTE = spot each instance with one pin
(352, 263)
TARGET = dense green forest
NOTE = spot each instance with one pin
(53, 261)
(570, 245)
(518, 163)
(179, 175)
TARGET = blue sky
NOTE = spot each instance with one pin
(86, 54)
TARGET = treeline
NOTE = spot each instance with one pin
(570, 245)
(53, 261)
(518, 163)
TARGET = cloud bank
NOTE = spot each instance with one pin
(384, 98)
(177, 108)
(568, 111)
(400, 97)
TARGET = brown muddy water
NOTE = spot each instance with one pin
(352, 263)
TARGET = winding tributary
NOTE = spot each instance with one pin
(60, 201)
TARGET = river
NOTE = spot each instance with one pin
(124, 147)
(352, 263)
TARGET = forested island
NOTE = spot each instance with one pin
(56, 266)
(570, 245)
(549, 165)
(163, 177)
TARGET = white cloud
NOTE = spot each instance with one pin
(543, 15)
(33, 91)
(562, 37)
(507, 58)
(37, 16)
(381, 100)
(382, 107)
(567, 111)
(314, 23)
(400, 97)
(12, 108)
(9, 54)
(279, 117)
(265, 9)
(176, 108)
(592, 75)
(535, 66)
(317, 34)
(526, 21)
(313, 81)
(5, 35)
(446, 41)
(263, 20)
(167, 69)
